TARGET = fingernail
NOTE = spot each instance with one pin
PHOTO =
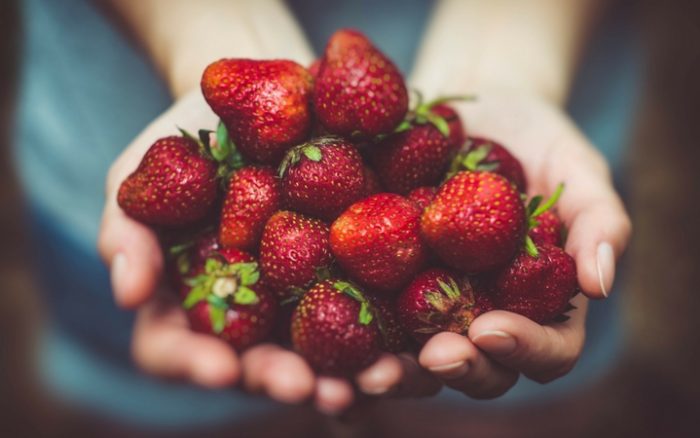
(118, 272)
(451, 370)
(376, 390)
(496, 342)
(605, 264)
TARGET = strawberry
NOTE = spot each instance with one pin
(457, 133)
(227, 301)
(335, 328)
(358, 90)
(537, 286)
(487, 155)
(377, 241)
(292, 250)
(174, 185)
(188, 259)
(422, 196)
(253, 195)
(476, 221)
(265, 105)
(437, 301)
(322, 178)
(419, 153)
(314, 67)
(549, 229)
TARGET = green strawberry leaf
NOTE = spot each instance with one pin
(212, 265)
(183, 264)
(533, 204)
(349, 289)
(187, 135)
(248, 273)
(530, 247)
(451, 290)
(197, 294)
(218, 318)
(405, 125)
(365, 316)
(437, 300)
(313, 153)
(549, 203)
(447, 99)
(473, 159)
(217, 301)
(440, 123)
(245, 295)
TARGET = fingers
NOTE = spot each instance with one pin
(599, 227)
(398, 376)
(280, 374)
(133, 255)
(460, 365)
(542, 353)
(333, 395)
(163, 345)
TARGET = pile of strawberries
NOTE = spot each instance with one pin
(326, 214)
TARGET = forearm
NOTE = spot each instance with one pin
(519, 46)
(183, 37)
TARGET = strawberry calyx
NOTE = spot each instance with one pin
(423, 113)
(312, 150)
(535, 208)
(473, 160)
(367, 312)
(453, 308)
(219, 147)
(222, 285)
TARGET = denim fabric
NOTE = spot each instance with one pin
(86, 91)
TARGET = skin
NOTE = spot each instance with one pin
(519, 105)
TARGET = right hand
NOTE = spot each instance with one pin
(162, 342)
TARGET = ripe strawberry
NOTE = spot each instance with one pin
(358, 90)
(538, 287)
(377, 241)
(437, 301)
(292, 250)
(422, 196)
(487, 155)
(264, 104)
(476, 221)
(188, 259)
(335, 329)
(419, 153)
(253, 195)
(227, 301)
(314, 67)
(549, 229)
(322, 178)
(175, 184)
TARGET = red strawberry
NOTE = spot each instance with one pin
(476, 221)
(377, 241)
(253, 195)
(323, 177)
(419, 153)
(549, 229)
(175, 184)
(264, 104)
(487, 155)
(226, 300)
(538, 287)
(292, 250)
(188, 259)
(358, 90)
(335, 329)
(314, 67)
(437, 301)
(422, 196)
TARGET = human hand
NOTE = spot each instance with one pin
(163, 343)
(501, 345)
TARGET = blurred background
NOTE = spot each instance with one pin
(653, 391)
